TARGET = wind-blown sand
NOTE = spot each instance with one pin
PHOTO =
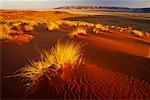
(117, 64)
(121, 45)
(117, 67)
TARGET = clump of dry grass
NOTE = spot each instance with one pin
(64, 53)
(28, 27)
(138, 33)
(4, 36)
(33, 23)
(100, 28)
(5, 31)
(52, 26)
(5, 28)
(16, 24)
(50, 64)
(77, 31)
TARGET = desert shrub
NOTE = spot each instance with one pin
(59, 22)
(69, 23)
(137, 33)
(90, 25)
(64, 53)
(85, 24)
(33, 23)
(16, 24)
(50, 63)
(28, 27)
(99, 27)
(4, 36)
(123, 29)
(23, 21)
(77, 31)
(52, 26)
(6, 29)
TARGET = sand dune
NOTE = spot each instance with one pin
(130, 47)
(117, 65)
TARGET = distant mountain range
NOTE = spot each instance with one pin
(146, 10)
(90, 7)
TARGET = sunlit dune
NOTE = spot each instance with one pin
(53, 57)
(63, 67)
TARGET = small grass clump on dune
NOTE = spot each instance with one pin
(28, 27)
(4, 36)
(5, 31)
(65, 53)
(51, 63)
(77, 31)
(137, 33)
(100, 28)
(52, 26)
(16, 24)
(6, 28)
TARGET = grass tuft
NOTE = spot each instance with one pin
(52, 26)
(64, 53)
(28, 27)
(4, 36)
(5, 31)
(77, 31)
(50, 63)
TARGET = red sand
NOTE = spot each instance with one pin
(91, 81)
(94, 82)
(121, 44)
(101, 79)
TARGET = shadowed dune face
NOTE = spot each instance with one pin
(139, 24)
(118, 61)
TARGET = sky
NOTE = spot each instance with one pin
(47, 4)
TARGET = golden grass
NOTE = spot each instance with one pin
(58, 56)
(64, 53)
(28, 27)
(16, 24)
(52, 26)
(80, 27)
(5, 30)
(4, 36)
(77, 31)
(100, 28)
(138, 33)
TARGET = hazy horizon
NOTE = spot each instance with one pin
(49, 4)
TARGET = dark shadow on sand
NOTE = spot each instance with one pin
(139, 24)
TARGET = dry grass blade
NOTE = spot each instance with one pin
(65, 53)
(50, 64)
(77, 31)
(52, 26)
(4, 36)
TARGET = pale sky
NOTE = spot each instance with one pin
(46, 4)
